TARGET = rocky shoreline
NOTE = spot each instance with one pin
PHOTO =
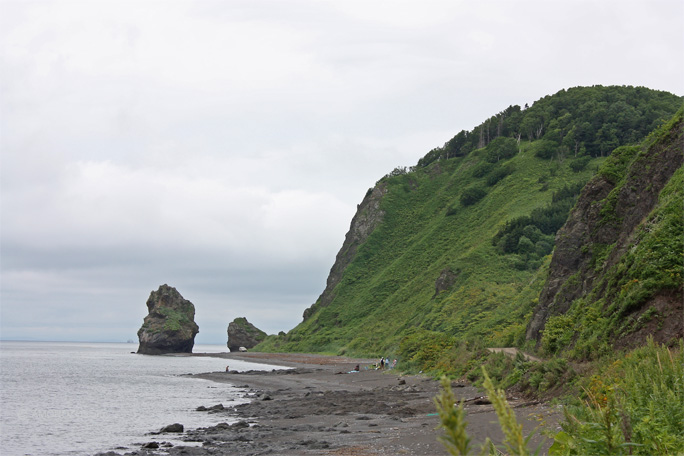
(318, 406)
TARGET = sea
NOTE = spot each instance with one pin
(73, 399)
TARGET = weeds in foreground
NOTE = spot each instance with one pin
(636, 407)
(452, 418)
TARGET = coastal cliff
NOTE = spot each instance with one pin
(169, 326)
(458, 248)
(616, 271)
(368, 216)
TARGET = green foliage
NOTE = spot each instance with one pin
(545, 149)
(388, 288)
(424, 350)
(501, 149)
(577, 121)
(543, 377)
(452, 421)
(557, 333)
(536, 378)
(532, 236)
(174, 320)
(482, 169)
(652, 264)
(613, 169)
(472, 195)
(498, 173)
(580, 163)
(597, 119)
(634, 406)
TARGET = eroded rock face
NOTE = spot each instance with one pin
(368, 216)
(445, 281)
(170, 324)
(242, 333)
(599, 220)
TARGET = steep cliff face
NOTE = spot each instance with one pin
(242, 333)
(604, 258)
(169, 326)
(368, 216)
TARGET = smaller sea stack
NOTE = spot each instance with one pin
(243, 334)
(170, 326)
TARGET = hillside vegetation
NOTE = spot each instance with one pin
(557, 229)
(616, 273)
(459, 246)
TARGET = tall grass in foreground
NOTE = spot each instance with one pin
(635, 406)
(452, 418)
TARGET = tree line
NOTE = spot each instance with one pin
(581, 121)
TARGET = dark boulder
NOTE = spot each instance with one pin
(175, 427)
(169, 326)
(243, 334)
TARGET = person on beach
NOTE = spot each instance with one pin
(382, 363)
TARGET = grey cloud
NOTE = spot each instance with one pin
(222, 147)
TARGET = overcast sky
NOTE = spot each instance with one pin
(221, 147)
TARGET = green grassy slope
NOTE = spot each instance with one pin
(435, 264)
(390, 286)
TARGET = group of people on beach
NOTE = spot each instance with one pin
(385, 363)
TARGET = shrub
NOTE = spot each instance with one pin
(635, 406)
(557, 333)
(615, 166)
(580, 163)
(542, 221)
(545, 148)
(482, 169)
(423, 349)
(498, 173)
(501, 149)
(472, 195)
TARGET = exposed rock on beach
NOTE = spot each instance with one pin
(318, 405)
(243, 334)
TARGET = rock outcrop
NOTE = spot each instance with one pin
(368, 216)
(607, 218)
(169, 326)
(242, 333)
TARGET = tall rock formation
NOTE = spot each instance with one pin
(169, 326)
(242, 333)
(612, 217)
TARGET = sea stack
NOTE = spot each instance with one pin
(169, 326)
(243, 334)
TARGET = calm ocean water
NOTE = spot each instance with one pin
(59, 398)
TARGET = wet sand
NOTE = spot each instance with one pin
(317, 407)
